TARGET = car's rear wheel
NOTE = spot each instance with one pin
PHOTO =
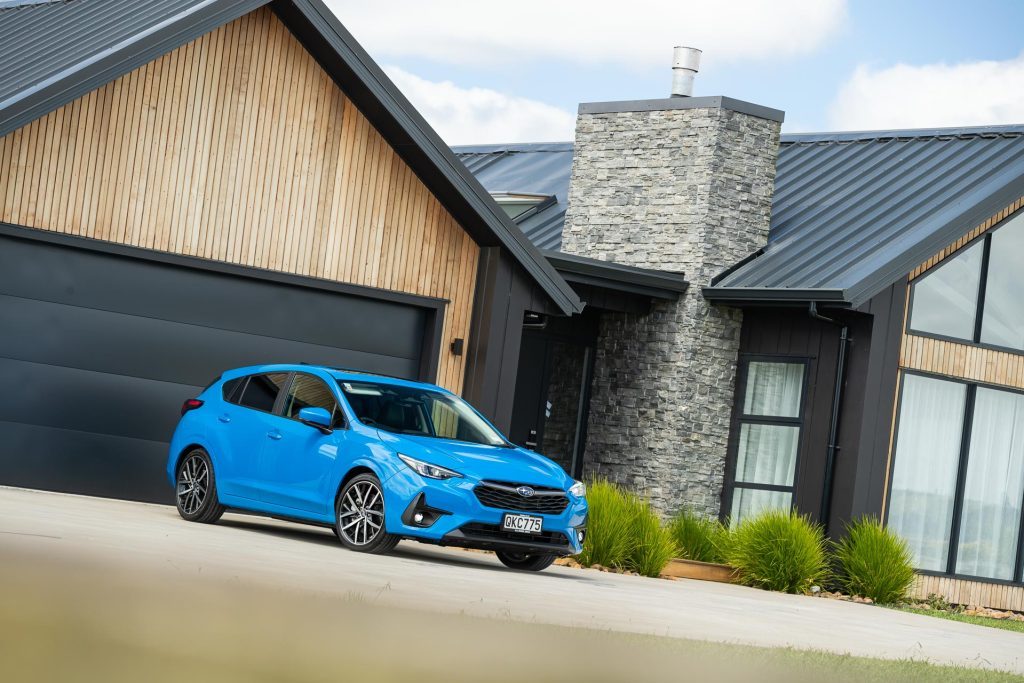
(196, 489)
(525, 561)
(360, 516)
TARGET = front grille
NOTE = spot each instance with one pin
(490, 532)
(503, 495)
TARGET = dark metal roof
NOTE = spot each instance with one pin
(852, 212)
(51, 54)
(542, 168)
(657, 284)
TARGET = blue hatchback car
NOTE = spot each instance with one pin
(376, 458)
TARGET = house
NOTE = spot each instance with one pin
(681, 300)
(870, 307)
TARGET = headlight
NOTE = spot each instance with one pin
(579, 489)
(425, 469)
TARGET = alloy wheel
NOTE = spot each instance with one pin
(361, 518)
(193, 484)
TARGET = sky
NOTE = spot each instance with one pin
(492, 72)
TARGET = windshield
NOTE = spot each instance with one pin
(420, 412)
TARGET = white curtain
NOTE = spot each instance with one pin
(926, 460)
(773, 389)
(767, 454)
(994, 487)
(750, 502)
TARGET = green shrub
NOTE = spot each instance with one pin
(623, 532)
(874, 562)
(699, 538)
(608, 541)
(779, 550)
(652, 546)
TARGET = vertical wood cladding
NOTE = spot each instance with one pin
(238, 147)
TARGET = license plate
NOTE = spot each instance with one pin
(524, 524)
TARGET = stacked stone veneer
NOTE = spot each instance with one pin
(686, 190)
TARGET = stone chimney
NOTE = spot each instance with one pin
(682, 184)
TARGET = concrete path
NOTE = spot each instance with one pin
(152, 538)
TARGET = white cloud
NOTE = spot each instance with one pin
(479, 115)
(636, 33)
(931, 95)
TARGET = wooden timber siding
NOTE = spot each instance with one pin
(238, 147)
(974, 363)
(966, 592)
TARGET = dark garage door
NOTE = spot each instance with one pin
(99, 350)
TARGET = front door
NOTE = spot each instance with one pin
(297, 459)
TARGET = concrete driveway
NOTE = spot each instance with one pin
(282, 556)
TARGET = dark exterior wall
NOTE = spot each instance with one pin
(504, 292)
(866, 408)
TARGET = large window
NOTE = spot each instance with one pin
(958, 477)
(768, 438)
(975, 295)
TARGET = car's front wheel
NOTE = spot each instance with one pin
(360, 516)
(196, 489)
(525, 561)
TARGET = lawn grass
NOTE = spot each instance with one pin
(1005, 624)
(74, 623)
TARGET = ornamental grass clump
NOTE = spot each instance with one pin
(608, 541)
(652, 546)
(779, 550)
(874, 562)
(699, 538)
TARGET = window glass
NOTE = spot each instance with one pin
(767, 454)
(261, 391)
(310, 392)
(766, 450)
(1003, 321)
(773, 389)
(751, 502)
(418, 412)
(945, 299)
(230, 389)
(925, 467)
(993, 489)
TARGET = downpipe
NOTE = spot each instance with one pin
(828, 483)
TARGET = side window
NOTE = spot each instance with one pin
(232, 388)
(261, 391)
(306, 392)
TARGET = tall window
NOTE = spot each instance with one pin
(958, 477)
(768, 438)
(975, 296)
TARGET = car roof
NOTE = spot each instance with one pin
(342, 374)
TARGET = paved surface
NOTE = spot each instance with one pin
(292, 557)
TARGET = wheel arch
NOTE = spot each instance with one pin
(359, 467)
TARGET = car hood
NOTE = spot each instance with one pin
(481, 461)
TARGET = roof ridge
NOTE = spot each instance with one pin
(958, 132)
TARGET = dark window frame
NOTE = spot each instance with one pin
(979, 304)
(961, 478)
(740, 418)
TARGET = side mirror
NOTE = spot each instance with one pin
(317, 418)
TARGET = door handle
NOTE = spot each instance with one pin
(224, 418)
(275, 435)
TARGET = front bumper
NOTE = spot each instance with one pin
(466, 522)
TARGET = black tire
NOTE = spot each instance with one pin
(525, 562)
(195, 490)
(360, 515)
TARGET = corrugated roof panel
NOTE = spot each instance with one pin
(851, 211)
(541, 168)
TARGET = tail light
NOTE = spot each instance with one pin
(190, 404)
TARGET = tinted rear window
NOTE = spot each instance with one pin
(261, 391)
(232, 389)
